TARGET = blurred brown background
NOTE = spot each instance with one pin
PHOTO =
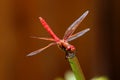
(98, 50)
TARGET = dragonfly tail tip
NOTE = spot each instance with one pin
(40, 18)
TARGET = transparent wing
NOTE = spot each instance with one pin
(78, 34)
(74, 25)
(48, 39)
(40, 50)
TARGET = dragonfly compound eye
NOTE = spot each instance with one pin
(70, 48)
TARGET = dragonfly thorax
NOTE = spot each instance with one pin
(64, 45)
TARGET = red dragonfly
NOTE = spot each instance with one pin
(62, 43)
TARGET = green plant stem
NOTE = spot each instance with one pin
(74, 63)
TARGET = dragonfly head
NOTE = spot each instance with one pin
(67, 48)
(70, 51)
(70, 48)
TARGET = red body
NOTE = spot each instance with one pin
(63, 44)
(46, 26)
